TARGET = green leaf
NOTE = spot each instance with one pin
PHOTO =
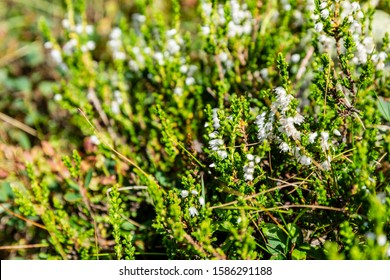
(295, 234)
(72, 197)
(128, 226)
(5, 192)
(298, 255)
(73, 185)
(88, 178)
(277, 239)
(384, 108)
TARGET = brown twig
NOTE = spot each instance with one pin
(23, 218)
(18, 124)
(19, 247)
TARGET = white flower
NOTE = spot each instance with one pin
(193, 211)
(184, 193)
(183, 69)
(305, 160)
(212, 165)
(138, 18)
(194, 192)
(207, 8)
(133, 65)
(324, 140)
(298, 119)
(289, 128)
(295, 58)
(114, 44)
(257, 159)
(216, 123)
(264, 129)
(336, 132)
(119, 55)
(70, 46)
(57, 97)
(172, 46)
(159, 57)
(215, 144)
(223, 56)
(171, 32)
(91, 45)
(248, 177)
(115, 33)
(382, 56)
(205, 30)
(284, 147)
(56, 55)
(282, 100)
(381, 239)
(312, 137)
(190, 81)
(249, 170)
(323, 5)
(89, 29)
(222, 154)
(264, 73)
(280, 91)
(326, 164)
(178, 91)
(370, 235)
(213, 135)
(369, 44)
(355, 6)
(201, 201)
(94, 140)
(65, 23)
(48, 45)
(318, 26)
(250, 157)
(325, 13)
(115, 107)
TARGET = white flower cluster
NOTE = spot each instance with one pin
(249, 168)
(115, 44)
(264, 127)
(379, 60)
(286, 124)
(326, 42)
(115, 104)
(72, 45)
(79, 28)
(228, 63)
(241, 22)
(352, 14)
(192, 210)
(216, 144)
(140, 52)
(282, 105)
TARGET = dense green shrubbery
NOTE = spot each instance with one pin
(262, 133)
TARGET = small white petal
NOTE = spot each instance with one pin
(193, 211)
(184, 193)
(381, 239)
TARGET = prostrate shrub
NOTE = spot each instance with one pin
(245, 130)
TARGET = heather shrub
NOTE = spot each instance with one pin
(228, 130)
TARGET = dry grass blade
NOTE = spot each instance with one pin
(18, 124)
